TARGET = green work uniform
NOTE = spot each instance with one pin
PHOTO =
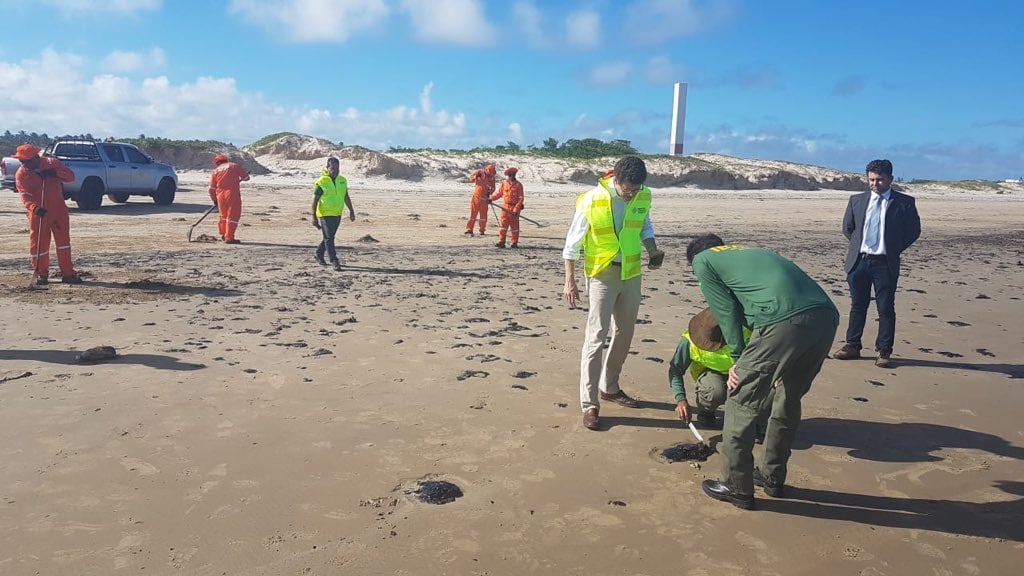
(793, 325)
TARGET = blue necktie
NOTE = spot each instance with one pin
(872, 223)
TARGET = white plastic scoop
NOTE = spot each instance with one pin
(695, 433)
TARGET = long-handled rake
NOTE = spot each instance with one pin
(534, 222)
(193, 227)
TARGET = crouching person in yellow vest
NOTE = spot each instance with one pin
(703, 351)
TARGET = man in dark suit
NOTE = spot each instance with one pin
(880, 225)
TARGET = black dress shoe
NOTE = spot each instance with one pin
(719, 491)
(770, 488)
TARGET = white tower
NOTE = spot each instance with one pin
(675, 147)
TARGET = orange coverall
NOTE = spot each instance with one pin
(512, 192)
(48, 193)
(225, 192)
(483, 187)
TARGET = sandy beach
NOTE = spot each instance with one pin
(267, 416)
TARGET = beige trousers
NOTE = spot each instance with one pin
(614, 305)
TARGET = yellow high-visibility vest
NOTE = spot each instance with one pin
(718, 361)
(332, 201)
(601, 244)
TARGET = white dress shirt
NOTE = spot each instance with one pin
(880, 249)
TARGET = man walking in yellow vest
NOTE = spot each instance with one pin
(612, 224)
(330, 198)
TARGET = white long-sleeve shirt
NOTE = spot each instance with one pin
(580, 225)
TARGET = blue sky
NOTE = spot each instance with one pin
(936, 86)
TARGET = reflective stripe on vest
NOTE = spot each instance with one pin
(332, 201)
(601, 243)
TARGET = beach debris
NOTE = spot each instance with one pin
(14, 376)
(96, 354)
(472, 374)
(523, 374)
(687, 452)
(368, 240)
(206, 238)
(436, 491)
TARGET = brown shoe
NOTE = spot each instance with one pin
(620, 398)
(847, 352)
(883, 360)
(590, 419)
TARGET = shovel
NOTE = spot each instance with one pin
(193, 227)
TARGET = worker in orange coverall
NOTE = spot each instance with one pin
(40, 182)
(227, 196)
(483, 187)
(512, 192)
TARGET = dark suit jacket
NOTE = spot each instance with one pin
(902, 227)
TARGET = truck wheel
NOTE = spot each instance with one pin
(90, 196)
(120, 198)
(164, 194)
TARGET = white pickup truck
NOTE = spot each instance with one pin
(114, 169)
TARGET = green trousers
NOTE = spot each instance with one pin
(710, 391)
(791, 353)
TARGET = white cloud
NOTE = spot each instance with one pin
(119, 61)
(608, 73)
(583, 28)
(425, 102)
(312, 20)
(51, 95)
(515, 132)
(661, 70)
(450, 21)
(105, 6)
(656, 21)
(528, 21)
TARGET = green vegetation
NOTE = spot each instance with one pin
(144, 142)
(585, 149)
(272, 137)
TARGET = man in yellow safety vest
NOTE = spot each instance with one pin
(611, 225)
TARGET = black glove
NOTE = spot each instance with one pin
(316, 223)
(40, 211)
(48, 173)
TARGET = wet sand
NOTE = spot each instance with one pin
(270, 416)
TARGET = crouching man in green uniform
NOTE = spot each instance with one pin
(702, 350)
(793, 323)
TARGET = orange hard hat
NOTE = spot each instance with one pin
(219, 158)
(26, 152)
(490, 169)
(511, 170)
